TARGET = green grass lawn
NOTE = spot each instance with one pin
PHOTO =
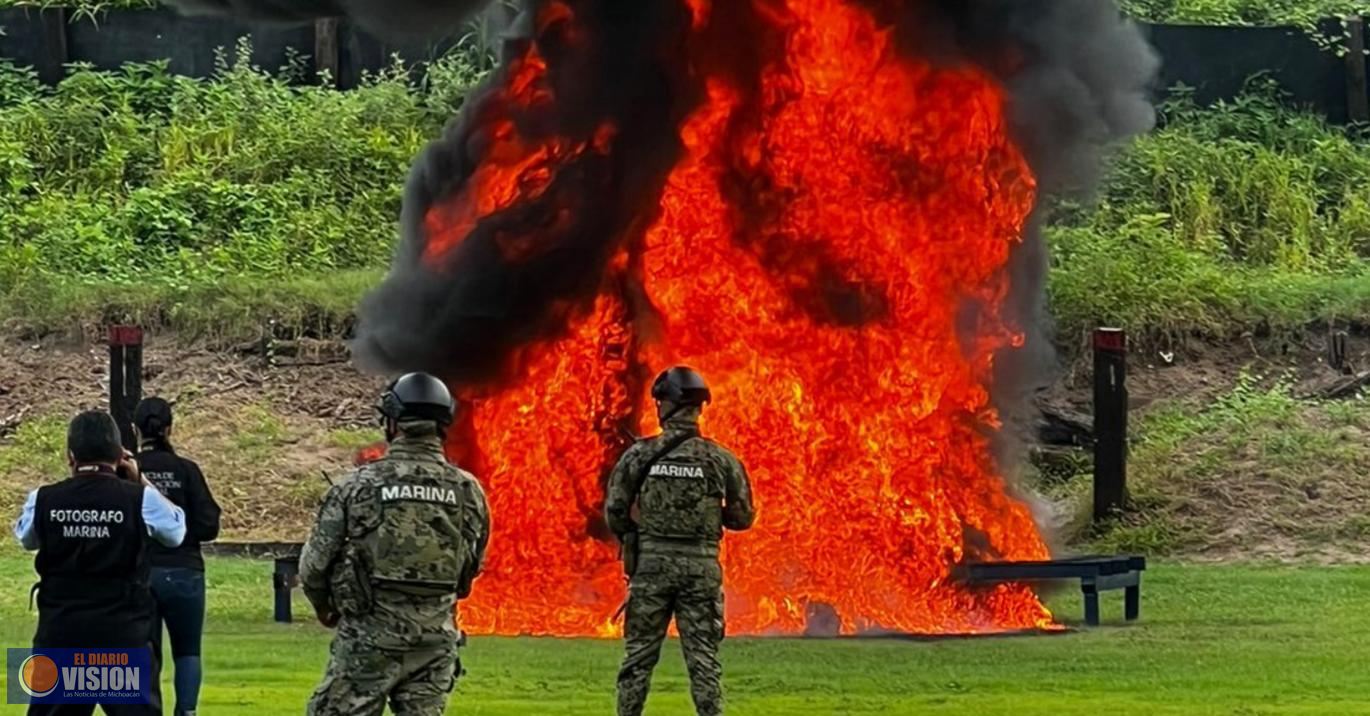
(1212, 640)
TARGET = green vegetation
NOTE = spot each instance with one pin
(1243, 12)
(260, 432)
(119, 176)
(215, 207)
(1212, 640)
(230, 307)
(1247, 214)
(1255, 473)
(89, 9)
(354, 438)
(251, 188)
(37, 447)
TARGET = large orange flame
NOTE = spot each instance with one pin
(830, 253)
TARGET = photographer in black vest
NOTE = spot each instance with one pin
(178, 573)
(91, 532)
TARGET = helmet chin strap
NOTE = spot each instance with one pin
(390, 427)
(679, 407)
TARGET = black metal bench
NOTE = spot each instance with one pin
(1096, 574)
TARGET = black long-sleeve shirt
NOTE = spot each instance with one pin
(182, 483)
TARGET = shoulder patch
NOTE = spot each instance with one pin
(440, 494)
(676, 470)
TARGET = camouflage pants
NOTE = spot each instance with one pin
(360, 676)
(691, 589)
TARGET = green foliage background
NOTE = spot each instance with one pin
(174, 187)
(1212, 12)
(1247, 214)
(1243, 12)
(222, 205)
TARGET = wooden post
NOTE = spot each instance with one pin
(1110, 422)
(1336, 353)
(326, 58)
(1357, 101)
(51, 66)
(125, 379)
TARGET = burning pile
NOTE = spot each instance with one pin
(823, 205)
(815, 245)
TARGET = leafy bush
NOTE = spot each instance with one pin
(1246, 213)
(1244, 12)
(249, 196)
(139, 175)
(206, 189)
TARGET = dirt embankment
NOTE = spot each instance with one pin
(1201, 370)
(265, 430)
(267, 425)
(1251, 449)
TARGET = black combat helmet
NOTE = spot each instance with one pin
(681, 385)
(418, 396)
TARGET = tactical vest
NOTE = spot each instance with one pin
(414, 543)
(681, 499)
(91, 563)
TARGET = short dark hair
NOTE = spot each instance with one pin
(93, 437)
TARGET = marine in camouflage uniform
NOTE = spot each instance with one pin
(687, 489)
(397, 543)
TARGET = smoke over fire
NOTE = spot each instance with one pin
(825, 206)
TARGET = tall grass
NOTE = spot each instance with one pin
(152, 191)
(118, 176)
(216, 205)
(1247, 213)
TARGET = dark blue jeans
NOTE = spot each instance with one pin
(180, 595)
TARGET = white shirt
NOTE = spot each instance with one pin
(165, 522)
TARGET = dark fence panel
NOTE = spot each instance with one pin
(188, 43)
(45, 41)
(1218, 61)
(34, 38)
(359, 52)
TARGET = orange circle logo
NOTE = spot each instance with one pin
(38, 676)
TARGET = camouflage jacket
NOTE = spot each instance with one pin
(332, 574)
(694, 492)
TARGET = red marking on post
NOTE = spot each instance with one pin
(1110, 339)
(125, 336)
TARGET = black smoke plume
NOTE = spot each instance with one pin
(1077, 71)
(612, 70)
(1079, 76)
